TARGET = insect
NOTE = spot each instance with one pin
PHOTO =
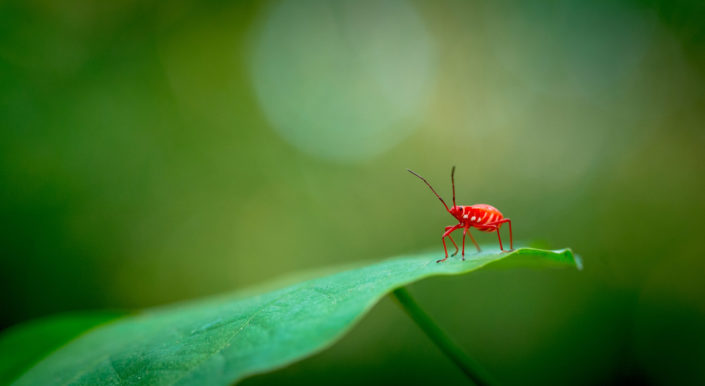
(485, 218)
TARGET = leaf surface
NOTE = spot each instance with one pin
(220, 340)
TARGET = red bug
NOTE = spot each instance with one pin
(485, 218)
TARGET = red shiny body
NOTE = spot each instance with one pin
(478, 216)
(483, 217)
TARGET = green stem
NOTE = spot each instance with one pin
(472, 369)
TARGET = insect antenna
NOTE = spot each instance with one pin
(452, 180)
(433, 190)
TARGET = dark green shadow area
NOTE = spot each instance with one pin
(24, 345)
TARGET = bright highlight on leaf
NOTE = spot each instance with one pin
(221, 340)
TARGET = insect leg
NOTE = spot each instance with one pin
(445, 249)
(443, 238)
(451, 239)
(497, 224)
(456, 246)
(473, 240)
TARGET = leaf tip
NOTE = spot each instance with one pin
(577, 260)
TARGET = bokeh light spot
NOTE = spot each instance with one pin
(345, 80)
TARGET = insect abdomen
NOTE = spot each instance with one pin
(484, 214)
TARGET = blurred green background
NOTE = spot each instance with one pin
(157, 151)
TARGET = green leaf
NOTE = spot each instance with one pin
(24, 345)
(222, 340)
